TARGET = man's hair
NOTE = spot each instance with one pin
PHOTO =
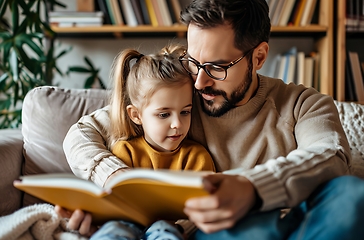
(248, 18)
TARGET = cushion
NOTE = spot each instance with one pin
(352, 119)
(11, 159)
(48, 113)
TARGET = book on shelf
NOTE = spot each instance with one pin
(128, 12)
(138, 195)
(291, 68)
(272, 6)
(85, 5)
(300, 69)
(277, 12)
(296, 19)
(354, 20)
(166, 15)
(118, 12)
(145, 12)
(307, 14)
(286, 12)
(176, 9)
(309, 66)
(138, 12)
(152, 13)
(350, 94)
(353, 58)
(71, 19)
(158, 13)
(110, 10)
(316, 81)
(101, 5)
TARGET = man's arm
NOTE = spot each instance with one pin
(85, 147)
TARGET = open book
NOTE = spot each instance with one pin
(139, 195)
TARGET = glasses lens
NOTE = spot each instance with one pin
(215, 71)
(190, 66)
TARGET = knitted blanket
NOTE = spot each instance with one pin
(352, 120)
(38, 221)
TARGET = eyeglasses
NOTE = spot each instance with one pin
(213, 70)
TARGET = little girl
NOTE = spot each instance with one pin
(150, 114)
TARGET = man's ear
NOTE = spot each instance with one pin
(134, 115)
(260, 55)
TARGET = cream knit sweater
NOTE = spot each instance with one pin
(287, 140)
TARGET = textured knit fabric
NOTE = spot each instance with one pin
(287, 140)
(352, 119)
(189, 155)
(38, 221)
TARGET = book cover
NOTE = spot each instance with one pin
(118, 14)
(294, 13)
(158, 13)
(308, 12)
(110, 11)
(140, 195)
(277, 12)
(137, 9)
(297, 19)
(316, 81)
(350, 94)
(309, 65)
(300, 76)
(128, 12)
(101, 4)
(272, 7)
(166, 16)
(76, 19)
(286, 12)
(145, 12)
(152, 14)
(176, 5)
(357, 75)
(85, 5)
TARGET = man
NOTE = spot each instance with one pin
(285, 142)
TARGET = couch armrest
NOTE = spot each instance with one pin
(11, 160)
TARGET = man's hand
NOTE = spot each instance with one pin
(78, 221)
(231, 199)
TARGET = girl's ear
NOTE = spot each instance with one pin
(134, 115)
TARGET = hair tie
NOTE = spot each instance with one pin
(139, 57)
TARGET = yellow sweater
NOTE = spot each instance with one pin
(137, 153)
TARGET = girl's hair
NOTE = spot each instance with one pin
(248, 18)
(136, 77)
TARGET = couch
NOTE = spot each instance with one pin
(48, 113)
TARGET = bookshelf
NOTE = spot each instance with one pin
(321, 32)
(343, 43)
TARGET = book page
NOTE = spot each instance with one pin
(174, 177)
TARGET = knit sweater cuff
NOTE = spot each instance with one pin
(105, 168)
(269, 188)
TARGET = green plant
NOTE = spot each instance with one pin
(27, 54)
(94, 74)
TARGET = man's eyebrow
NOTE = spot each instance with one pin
(218, 61)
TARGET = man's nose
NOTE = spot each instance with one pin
(202, 80)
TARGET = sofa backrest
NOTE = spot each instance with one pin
(48, 113)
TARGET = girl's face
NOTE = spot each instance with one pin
(167, 118)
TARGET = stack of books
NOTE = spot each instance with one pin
(76, 19)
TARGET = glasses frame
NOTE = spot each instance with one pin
(203, 66)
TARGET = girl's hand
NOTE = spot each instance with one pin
(78, 220)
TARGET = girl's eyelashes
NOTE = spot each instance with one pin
(163, 115)
(186, 112)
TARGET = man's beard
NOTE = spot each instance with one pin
(229, 103)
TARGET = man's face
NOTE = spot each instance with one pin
(216, 45)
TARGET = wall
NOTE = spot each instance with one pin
(102, 52)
